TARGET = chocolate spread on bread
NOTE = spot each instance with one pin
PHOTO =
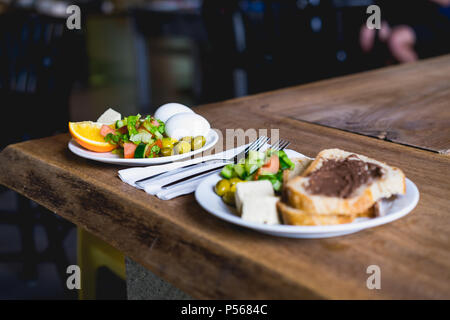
(341, 178)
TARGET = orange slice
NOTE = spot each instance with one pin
(87, 134)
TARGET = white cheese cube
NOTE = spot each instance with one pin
(252, 189)
(110, 116)
(261, 210)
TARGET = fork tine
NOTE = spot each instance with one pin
(275, 145)
(252, 146)
(284, 144)
(263, 142)
(280, 145)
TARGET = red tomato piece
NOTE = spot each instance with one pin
(128, 150)
(271, 166)
(105, 129)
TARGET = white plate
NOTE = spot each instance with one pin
(396, 209)
(108, 157)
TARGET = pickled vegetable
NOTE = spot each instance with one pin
(165, 152)
(168, 142)
(198, 142)
(187, 139)
(228, 198)
(182, 147)
(234, 181)
(222, 187)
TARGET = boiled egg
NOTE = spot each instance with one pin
(187, 124)
(168, 110)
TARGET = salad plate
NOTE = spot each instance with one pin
(395, 209)
(107, 157)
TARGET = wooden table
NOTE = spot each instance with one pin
(209, 258)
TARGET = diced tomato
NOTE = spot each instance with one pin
(128, 150)
(159, 143)
(271, 166)
(105, 129)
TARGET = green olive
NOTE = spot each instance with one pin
(165, 152)
(222, 187)
(187, 139)
(198, 142)
(228, 198)
(182, 147)
(234, 181)
(168, 142)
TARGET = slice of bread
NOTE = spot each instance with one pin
(292, 216)
(298, 217)
(301, 164)
(297, 195)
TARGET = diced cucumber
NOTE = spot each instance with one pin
(121, 123)
(141, 150)
(250, 177)
(141, 136)
(240, 170)
(252, 166)
(158, 135)
(227, 171)
(255, 156)
(276, 184)
(285, 162)
(274, 180)
(153, 129)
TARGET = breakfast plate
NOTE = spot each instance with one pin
(107, 157)
(395, 209)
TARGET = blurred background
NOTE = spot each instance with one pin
(134, 56)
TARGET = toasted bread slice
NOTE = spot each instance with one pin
(391, 181)
(298, 217)
(301, 164)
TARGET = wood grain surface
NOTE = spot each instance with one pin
(210, 258)
(407, 104)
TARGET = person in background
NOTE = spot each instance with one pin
(411, 29)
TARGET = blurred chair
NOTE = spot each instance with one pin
(39, 59)
(93, 254)
(39, 63)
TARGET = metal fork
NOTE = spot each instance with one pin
(162, 179)
(278, 145)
